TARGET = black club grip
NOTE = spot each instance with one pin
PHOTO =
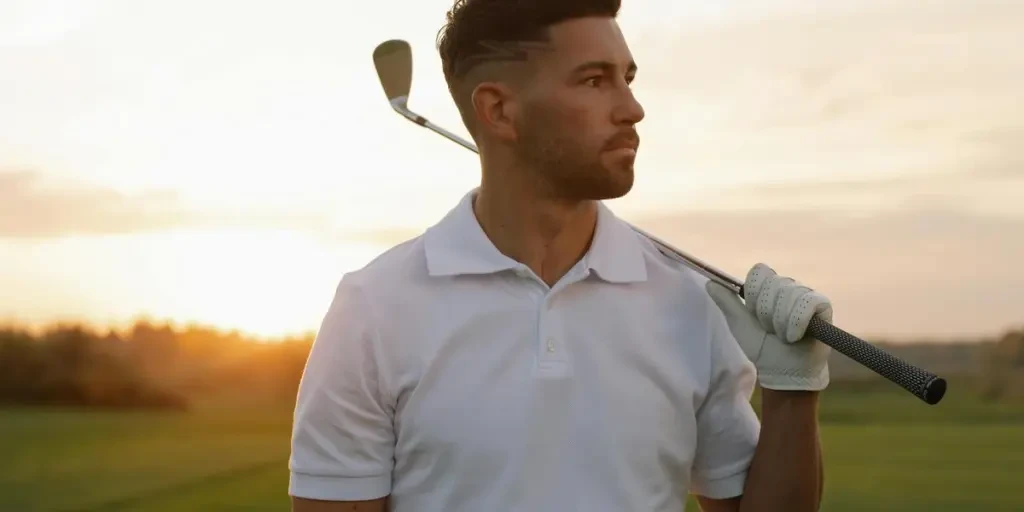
(921, 383)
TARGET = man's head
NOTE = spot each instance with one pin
(547, 84)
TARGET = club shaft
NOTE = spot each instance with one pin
(422, 121)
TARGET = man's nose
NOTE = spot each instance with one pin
(630, 111)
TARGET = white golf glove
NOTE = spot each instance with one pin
(771, 327)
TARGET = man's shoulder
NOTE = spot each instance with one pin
(399, 263)
(405, 262)
(665, 270)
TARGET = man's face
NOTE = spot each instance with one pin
(577, 117)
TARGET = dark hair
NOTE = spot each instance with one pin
(473, 26)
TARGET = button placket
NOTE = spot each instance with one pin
(552, 351)
(546, 346)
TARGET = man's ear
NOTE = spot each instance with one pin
(496, 109)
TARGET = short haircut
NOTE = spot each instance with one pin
(479, 32)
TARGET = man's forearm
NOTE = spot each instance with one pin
(786, 473)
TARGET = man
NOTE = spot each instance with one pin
(530, 352)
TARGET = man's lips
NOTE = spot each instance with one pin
(629, 141)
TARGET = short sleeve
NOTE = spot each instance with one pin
(342, 444)
(727, 426)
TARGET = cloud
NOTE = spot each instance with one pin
(875, 88)
(385, 237)
(1003, 149)
(31, 209)
(931, 271)
(985, 187)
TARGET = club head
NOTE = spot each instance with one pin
(393, 60)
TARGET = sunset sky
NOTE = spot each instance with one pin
(226, 162)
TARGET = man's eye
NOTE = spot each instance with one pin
(593, 81)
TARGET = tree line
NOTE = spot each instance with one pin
(1003, 375)
(147, 366)
(160, 366)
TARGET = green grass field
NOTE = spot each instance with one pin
(885, 451)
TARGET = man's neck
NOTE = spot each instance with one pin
(546, 234)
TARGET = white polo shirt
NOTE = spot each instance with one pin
(451, 378)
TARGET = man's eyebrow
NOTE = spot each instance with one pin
(602, 65)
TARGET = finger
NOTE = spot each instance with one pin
(742, 324)
(809, 304)
(727, 301)
(767, 301)
(788, 299)
(756, 278)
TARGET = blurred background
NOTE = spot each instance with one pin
(182, 185)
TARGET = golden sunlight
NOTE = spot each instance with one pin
(266, 283)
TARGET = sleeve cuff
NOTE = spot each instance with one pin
(338, 488)
(722, 484)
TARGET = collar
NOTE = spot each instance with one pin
(457, 245)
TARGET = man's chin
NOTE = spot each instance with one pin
(620, 190)
(620, 172)
(618, 182)
(606, 179)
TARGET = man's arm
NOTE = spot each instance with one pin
(786, 472)
(342, 436)
(307, 505)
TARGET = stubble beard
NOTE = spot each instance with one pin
(567, 170)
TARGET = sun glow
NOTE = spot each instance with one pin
(261, 282)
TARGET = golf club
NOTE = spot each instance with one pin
(393, 61)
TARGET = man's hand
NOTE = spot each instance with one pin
(771, 327)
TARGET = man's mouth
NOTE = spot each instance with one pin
(630, 142)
